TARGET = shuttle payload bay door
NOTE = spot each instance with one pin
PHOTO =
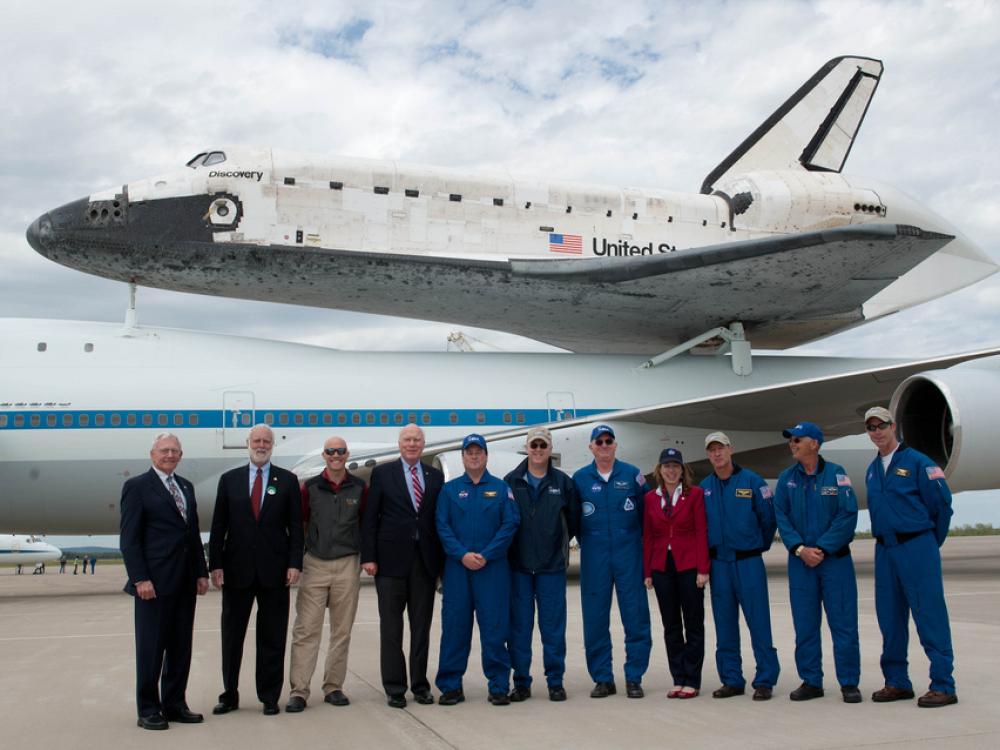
(562, 405)
(237, 418)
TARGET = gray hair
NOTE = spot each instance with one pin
(165, 436)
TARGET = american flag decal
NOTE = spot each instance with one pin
(566, 243)
(934, 472)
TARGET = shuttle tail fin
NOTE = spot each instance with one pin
(814, 129)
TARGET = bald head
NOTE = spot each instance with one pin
(411, 443)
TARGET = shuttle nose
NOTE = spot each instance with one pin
(38, 233)
(52, 233)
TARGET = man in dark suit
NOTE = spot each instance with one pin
(165, 562)
(255, 552)
(400, 547)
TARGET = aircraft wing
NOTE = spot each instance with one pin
(836, 403)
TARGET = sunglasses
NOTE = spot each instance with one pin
(877, 426)
(538, 444)
(605, 441)
(335, 451)
(795, 440)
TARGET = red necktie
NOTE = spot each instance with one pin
(418, 491)
(256, 493)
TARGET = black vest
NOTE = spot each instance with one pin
(334, 518)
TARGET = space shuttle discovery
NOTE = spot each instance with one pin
(779, 246)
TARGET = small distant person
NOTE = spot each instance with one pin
(93, 564)
(76, 564)
(548, 504)
(255, 554)
(741, 526)
(817, 512)
(401, 548)
(676, 566)
(62, 564)
(476, 521)
(165, 562)
(910, 507)
(333, 503)
(610, 537)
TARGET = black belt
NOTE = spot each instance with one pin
(902, 536)
(739, 554)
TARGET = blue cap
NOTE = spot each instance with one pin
(804, 429)
(671, 455)
(475, 439)
(601, 429)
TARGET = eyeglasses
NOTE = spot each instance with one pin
(537, 445)
(606, 441)
(335, 451)
(795, 440)
(877, 426)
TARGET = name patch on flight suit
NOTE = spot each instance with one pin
(490, 493)
(629, 505)
(745, 493)
(902, 472)
(588, 509)
(621, 485)
(828, 491)
(554, 491)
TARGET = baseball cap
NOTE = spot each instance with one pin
(879, 412)
(538, 433)
(601, 429)
(474, 439)
(804, 429)
(671, 455)
(717, 437)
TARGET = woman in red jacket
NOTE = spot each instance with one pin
(675, 566)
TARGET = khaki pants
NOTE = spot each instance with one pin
(325, 584)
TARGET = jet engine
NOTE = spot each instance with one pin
(953, 416)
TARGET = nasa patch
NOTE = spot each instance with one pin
(463, 493)
(629, 505)
(596, 487)
(791, 483)
(588, 509)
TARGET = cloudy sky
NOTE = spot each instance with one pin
(643, 94)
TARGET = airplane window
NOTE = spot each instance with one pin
(84, 420)
(412, 417)
(98, 420)
(480, 417)
(298, 418)
(19, 420)
(193, 420)
(341, 418)
(147, 420)
(196, 161)
(313, 418)
(328, 418)
(42, 346)
(130, 420)
(88, 348)
(3, 420)
(269, 418)
(519, 417)
(425, 418)
(50, 420)
(383, 418)
(283, 418)
(399, 417)
(116, 420)
(216, 157)
(178, 420)
(67, 420)
(244, 419)
(369, 418)
(161, 420)
(453, 418)
(36, 420)
(508, 417)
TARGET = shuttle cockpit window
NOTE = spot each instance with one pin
(207, 159)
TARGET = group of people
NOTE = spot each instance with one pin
(501, 549)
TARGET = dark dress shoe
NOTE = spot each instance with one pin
(424, 697)
(451, 697)
(183, 715)
(520, 694)
(499, 699)
(153, 721)
(271, 709)
(634, 690)
(396, 701)
(296, 704)
(336, 698)
(557, 693)
(888, 694)
(603, 690)
(728, 691)
(805, 692)
(760, 693)
(936, 699)
(222, 707)
(851, 694)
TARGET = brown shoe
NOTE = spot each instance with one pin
(935, 699)
(728, 691)
(890, 693)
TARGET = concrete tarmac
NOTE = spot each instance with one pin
(67, 656)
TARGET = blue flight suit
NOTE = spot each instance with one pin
(821, 510)
(479, 518)
(910, 508)
(539, 556)
(741, 528)
(610, 537)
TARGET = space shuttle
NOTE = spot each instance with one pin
(778, 247)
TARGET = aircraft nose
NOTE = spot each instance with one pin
(38, 232)
(51, 233)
